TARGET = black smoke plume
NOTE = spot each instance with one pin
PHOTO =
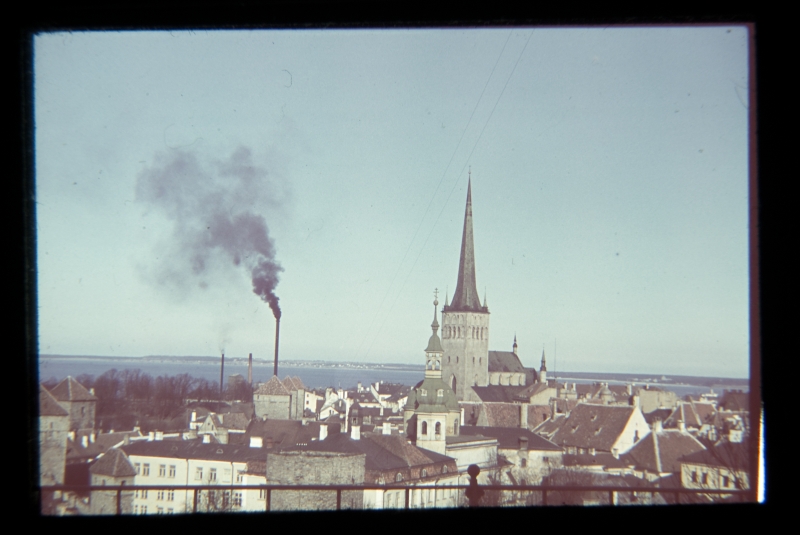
(214, 209)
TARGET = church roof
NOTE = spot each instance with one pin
(501, 393)
(466, 295)
(505, 361)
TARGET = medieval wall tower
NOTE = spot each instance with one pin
(465, 324)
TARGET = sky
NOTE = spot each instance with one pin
(609, 171)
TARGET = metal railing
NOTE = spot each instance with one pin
(475, 497)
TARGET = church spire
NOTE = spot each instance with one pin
(466, 296)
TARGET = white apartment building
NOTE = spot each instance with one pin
(183, 463)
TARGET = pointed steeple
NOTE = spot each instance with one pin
(515, 344)
(434, 351)
(544, 364)
(466, 296)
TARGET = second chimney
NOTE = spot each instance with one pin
(323, 431)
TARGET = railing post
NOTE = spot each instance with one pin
(611, 497)
(119, 500)
(406, 497)
(474, 493)
(338, 499)
(194, 501)
(269, 497)
(544, 496)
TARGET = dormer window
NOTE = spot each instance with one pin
(444, 469)
(440, 393)
(423, 473)
(423, 392)
(398, 477)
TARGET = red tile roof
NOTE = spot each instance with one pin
(501, 415)
(593, 426)
(48, 406)
(114, 463)
(659, 452)
(71, 390)
(273, 387)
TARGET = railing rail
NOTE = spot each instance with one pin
(544, 490)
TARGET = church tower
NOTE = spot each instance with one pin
(432, 413)
(465, 324)
(543, 370)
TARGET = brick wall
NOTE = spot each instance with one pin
(105, 502)
(315, 468)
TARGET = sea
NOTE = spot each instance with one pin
(317, 376)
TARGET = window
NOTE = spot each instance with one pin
(262, 494)
(239, 476)
(146, 469)
(423, 392)
(725, 481)
(138, 467)
(144, 494)
(424, 428)
(83, 411)
(438, 428)
(455, 427)
(198, 474)
(398, 477)
(237, 499)
(440, 393)
(523, 463)
(704, 479)
(144, 509)
(160, 511)
(162, 470)
(444, 469)
(136, 494)
(160, 496)
(212, 474)
(170, 495)
(172, 470)
(170, 511)
(136, 509)
(423, 473)
(694, 476)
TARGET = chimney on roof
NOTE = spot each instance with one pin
(523, 416)
(159, 436)
(636, 401)
(250, 369)
(657, 426)
(194, 416)
(523, 443)
(126, 440)
(682, 426)
(150, 436)
(359, 387)
(92, 437)
(72, 435)
(323, 431)
(381, 410)
(91, 391)
(85, 441)
(206, 439)
(629, 388)
(256, 442)
(462, 416)
(387, 428)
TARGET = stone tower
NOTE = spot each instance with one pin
(465, 324)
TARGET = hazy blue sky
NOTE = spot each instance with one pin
(609, 182)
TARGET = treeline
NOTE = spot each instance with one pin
(127, 391)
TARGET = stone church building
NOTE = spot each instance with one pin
(466, 360)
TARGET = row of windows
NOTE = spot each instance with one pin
(478, 333)
(144, 470)
(450, 360)
(212, 474)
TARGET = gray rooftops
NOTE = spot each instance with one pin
(505, 361)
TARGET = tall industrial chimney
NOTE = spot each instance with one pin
(221, 375)
(250, 369)
(277, 336)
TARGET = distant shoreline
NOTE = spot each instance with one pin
(653, 378)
